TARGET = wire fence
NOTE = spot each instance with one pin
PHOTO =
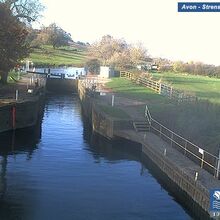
(160, 88)
(204, 159)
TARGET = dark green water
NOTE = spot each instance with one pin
(62, 171)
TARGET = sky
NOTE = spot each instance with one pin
(156, 23)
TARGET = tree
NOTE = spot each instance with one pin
(138, 54)
(13, 45)
(25, 10)
(57, 36)
(93, 66)
(117, 53)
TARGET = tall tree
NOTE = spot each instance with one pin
(13, 41)
(116, 52)
(15, 15)
(26, 10)
(57, 36)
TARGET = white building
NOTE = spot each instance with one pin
(106, 72)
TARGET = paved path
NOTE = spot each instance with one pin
(7, 92)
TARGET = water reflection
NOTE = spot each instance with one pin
(115, 151)
(64, 171)
(13, 143)
(111, 151)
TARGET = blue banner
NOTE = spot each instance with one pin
(198, 6)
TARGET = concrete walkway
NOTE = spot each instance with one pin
(7, 92)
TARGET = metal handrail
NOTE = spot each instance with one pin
(171, 138)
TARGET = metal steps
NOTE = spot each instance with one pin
(141, 126)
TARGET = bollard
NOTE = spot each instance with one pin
(196, 176)
(16, 95)
(113, 100)
(18, 75)
(165, 152)
(145, 136)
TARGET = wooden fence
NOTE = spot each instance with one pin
(204, 159)
(160, 88)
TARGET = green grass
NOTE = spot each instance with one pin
(203, 87)
(114, 112)
(63, 56)
(198, 122)
(14, 76)
(131, 90)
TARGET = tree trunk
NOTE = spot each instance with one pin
(4, 77)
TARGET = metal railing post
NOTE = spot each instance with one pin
(171, 144)
(160, 130)
(202, 162)
(185, 147)
(218, 165)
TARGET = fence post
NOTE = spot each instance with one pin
(160, 86)
(218, 165)
(16, 95)
(171, 92)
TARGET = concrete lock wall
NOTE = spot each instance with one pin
(196, 191)
(108, 127)
(101, 123)
(65, 85)
(21, 114)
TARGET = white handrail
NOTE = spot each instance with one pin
(171, 138)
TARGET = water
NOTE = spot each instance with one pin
(62, 171)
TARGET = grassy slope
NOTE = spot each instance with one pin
(47, 56)
(202, 86)
(198, 122)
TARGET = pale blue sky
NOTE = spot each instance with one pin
(155, 23)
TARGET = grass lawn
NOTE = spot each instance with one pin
(203, 87)
(131, 90)
(198, 122)
(63, 56)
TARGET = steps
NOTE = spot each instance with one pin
(141, 126)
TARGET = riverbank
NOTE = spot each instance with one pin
(187, 175)
(47, 56)
(21, 103)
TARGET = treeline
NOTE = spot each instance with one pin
(116, 53)
(197, 68)
(51, 35)
(194, 68)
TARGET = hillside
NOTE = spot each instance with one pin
(63, 56)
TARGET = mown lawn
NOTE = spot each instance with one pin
(128, 89)
(202, 86)
(64, 56)
(198, 121)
